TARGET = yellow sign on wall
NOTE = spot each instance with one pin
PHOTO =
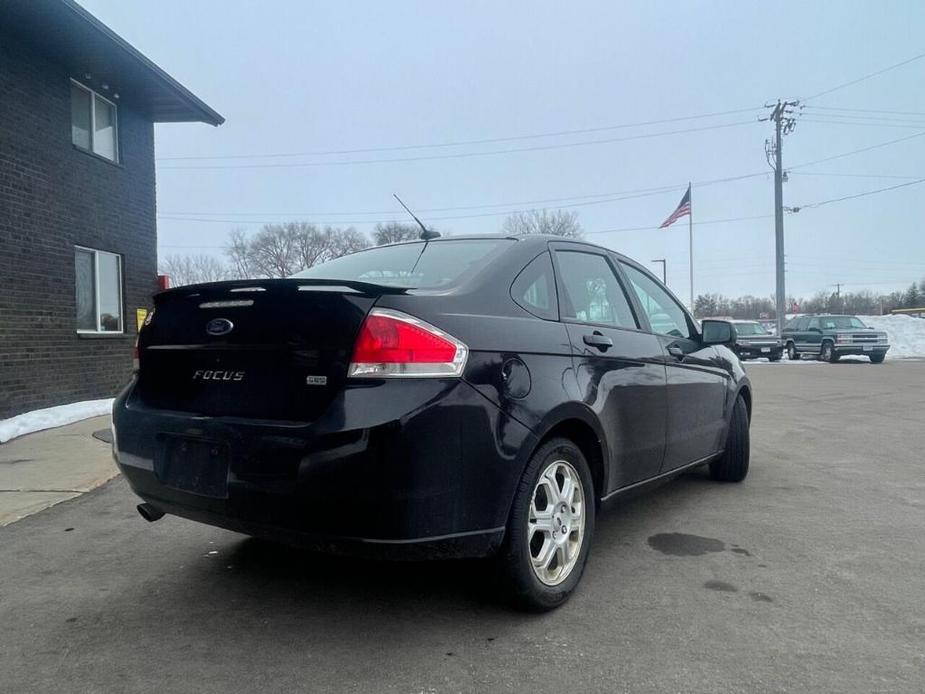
(140, 315)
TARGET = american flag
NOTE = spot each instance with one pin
(684, 208)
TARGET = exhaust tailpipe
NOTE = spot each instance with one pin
(150, 513)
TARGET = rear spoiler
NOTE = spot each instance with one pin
(274, 286)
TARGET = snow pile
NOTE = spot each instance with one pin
(906, 334)
(50, 417)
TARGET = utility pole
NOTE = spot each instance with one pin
(664, 269)
(782, 114)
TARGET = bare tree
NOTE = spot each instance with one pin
(192, 269)
(276, 250)
(555, 222)
(345, 241)
(281, 250)
(238, 252)
(394, 232)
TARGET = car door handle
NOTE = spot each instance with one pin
(595, 339)
(676, 351)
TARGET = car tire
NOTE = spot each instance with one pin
(732, 465)
(525, 544)
(792, 353)
(877, 358)
(827, 353)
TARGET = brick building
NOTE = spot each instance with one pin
(78, 237)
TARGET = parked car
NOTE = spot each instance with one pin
(830, 337)
(462, 397)
(753, 341)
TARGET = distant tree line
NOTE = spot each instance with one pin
(281, 250)
(863, 302)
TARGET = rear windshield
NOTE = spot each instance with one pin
(750, 329)
(411, 265)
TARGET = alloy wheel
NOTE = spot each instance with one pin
(556, 524)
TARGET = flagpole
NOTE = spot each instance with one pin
(690, 231)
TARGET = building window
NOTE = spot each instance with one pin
(99, 291)
(93, 122)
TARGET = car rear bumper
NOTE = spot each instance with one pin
(434, 478)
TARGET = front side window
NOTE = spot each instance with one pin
(98, 276)
(592, 292)
(93, 122)
(665, 314)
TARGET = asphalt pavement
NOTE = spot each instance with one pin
(809, 576)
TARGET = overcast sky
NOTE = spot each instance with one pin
(296, 77)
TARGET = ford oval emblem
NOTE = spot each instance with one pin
(219, 326)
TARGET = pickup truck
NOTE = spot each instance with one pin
(830, 337)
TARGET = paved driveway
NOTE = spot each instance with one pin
(808, 577)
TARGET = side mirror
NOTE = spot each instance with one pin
(718, 332)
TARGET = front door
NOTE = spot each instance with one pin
(620, 370)
(697, 382)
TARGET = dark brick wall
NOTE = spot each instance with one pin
(53, 197)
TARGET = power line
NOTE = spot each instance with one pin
(858, 151)
(459, 143)
(820, 203)
(601, 231)
(602, 198)
(502, 213)
(863, 123)
(865, 77)
(704, 221)
(556, 200)
(851, 175)
(867, 117)
(457, 155)
(866, 110)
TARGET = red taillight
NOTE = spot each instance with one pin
(135, 360)
(392, 344)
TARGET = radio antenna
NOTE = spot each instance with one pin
(426, 234)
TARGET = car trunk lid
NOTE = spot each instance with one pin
(264, 349)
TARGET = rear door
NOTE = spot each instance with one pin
(812, 336)
(697, 381)
(619, 367)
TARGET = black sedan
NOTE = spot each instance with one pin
(753, 341)
(460, 397)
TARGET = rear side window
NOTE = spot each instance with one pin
(665, 314)
(411, 265)
(592, 292)
(534, 290)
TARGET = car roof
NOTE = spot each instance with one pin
(536, 240)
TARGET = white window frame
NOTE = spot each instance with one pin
(96, 292)
(115, 124)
